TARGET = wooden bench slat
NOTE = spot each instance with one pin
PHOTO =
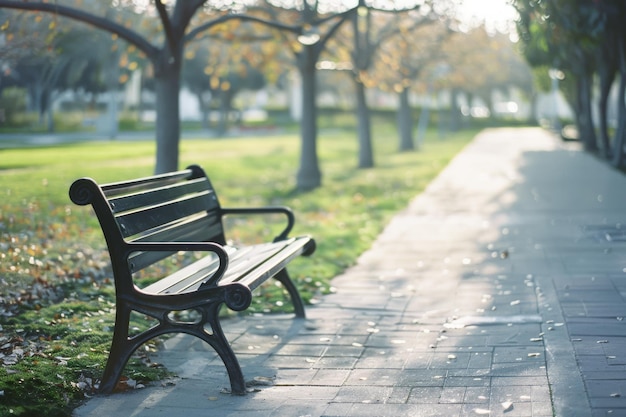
(196, 228)
(140, 198)
(203, 227)
(194, 274)
(151, 217)
(190, 277)
(243, 262)
(271, 265)
(113, 189)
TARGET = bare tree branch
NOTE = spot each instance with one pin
(331, 32)
(243, 17)
(101, 22)
(167, 24)
(417, 23)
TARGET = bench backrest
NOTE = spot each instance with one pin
(175, 207)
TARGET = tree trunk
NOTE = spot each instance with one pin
(584, 74)
(113, 77)
(422, 125)
(405, 127)
(40, 99)
(606, 81)
(49, 111)
(167, 86)
(49, 115)
(32, 102)
(309, 175)
(607, 68)
(532, 114)
(456, 117)
(618, 143)
(587, 131)
(489, 103)
(366, 156)
(167, 75)
(222, 124)
(204, 110)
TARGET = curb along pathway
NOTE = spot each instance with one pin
(498, 291)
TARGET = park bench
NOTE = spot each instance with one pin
(147, 220)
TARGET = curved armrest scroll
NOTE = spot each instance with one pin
(291, 219)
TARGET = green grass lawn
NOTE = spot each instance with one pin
(57, 298)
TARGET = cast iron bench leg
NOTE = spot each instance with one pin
(122, 347)
(296, 300)
(215, 337)
(120, 352)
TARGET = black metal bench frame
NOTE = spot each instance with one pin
(145, 220)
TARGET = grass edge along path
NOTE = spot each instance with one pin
(57, 309)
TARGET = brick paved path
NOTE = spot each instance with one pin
(499, 291)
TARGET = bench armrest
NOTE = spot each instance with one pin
(186, 246)
(291, 219)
